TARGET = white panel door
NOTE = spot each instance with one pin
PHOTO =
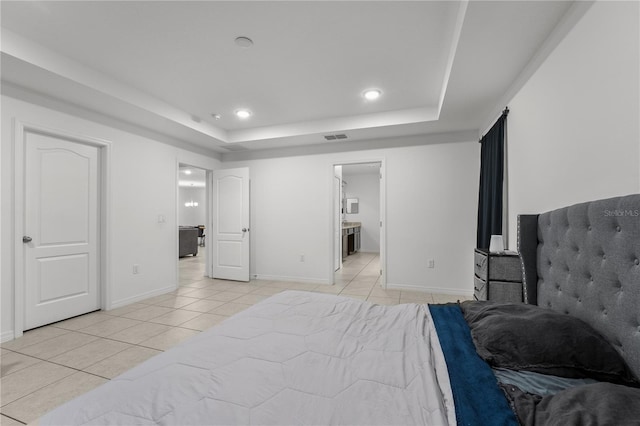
(231, 224)
(61, 239)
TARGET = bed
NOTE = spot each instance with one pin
(307, 358)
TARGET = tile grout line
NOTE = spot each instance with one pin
(49, 384)
(354, 277)
(14, 419)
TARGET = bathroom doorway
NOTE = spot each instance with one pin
(358, 222)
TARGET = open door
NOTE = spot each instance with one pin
(230, 234)
(337, 228)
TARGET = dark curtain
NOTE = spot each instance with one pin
(491, 177)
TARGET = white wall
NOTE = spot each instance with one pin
(143, 186)
(291, 199)
(366, 188)
(573, 128)
(431, 210)
(192, 216)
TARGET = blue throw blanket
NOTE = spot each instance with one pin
(477, 397)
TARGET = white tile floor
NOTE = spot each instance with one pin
(53, 364)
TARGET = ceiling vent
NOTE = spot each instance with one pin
(334, 137)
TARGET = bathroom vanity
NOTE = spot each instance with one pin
(350, 238)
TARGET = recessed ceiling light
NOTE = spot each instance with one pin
(243, 113)
(216, 116)
(244, 42)
(372, 94)
(187, 172)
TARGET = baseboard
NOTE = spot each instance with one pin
(6, 336)
(129, 300)
(293, 279)
(423, 289)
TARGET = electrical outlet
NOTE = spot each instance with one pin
(302, 258)
(431, 263)
(136, 268)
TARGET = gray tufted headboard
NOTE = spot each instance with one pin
(584, 260)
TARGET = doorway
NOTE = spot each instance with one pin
(192, 224)
(358, 222)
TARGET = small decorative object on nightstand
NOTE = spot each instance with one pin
(497, 276)
(496, 245)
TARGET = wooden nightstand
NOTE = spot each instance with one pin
(497, 277)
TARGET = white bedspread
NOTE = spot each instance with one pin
(297, 358)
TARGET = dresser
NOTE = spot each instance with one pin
(497, 276)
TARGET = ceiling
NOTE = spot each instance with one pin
(191, 177)
(168, 66)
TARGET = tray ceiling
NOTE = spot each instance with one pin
(170, 66)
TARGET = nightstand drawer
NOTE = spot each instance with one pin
(505, 268)
(479, 289)
(480, 262)
(505, 292)
(497, 267)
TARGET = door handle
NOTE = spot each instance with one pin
(245, 229)
(26, 239)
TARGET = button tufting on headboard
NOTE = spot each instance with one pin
(586, 263)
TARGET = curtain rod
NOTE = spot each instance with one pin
(505, 113)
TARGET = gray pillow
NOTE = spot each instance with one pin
(595, 404)
(530, 338)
